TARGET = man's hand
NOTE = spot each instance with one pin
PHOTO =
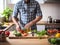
(16, 23)
(28, 25)
(18, 28)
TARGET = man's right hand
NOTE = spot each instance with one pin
(18, 28)
(21, 31)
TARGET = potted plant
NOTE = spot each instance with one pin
(6, 13)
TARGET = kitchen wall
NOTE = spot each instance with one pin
(51, 9)
(48, 9)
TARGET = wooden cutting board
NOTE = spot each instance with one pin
(26, 37)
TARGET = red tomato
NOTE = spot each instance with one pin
(54, 31)
(7, 33)
(48, 31)
(25, 34)
(58, 31)
(21, 31)
(51, 31)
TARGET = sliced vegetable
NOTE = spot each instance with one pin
(41, 33)
(16, 33)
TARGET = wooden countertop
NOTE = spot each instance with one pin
(25, 42)
(45, 23)
(38, 23)
(9, 24)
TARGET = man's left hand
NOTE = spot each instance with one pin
(28, 26)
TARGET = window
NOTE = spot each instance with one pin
(1, 6)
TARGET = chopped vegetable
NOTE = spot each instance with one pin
(16, 33)
(41, 33)
(53, 40)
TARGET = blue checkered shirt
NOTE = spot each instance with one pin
(27, 12)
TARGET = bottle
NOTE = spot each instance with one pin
(49, 20)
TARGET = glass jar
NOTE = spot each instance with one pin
(49, 20)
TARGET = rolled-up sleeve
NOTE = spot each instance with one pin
(38, 10)
(15, 11)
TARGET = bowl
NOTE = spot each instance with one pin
(52, 31)
(54, 41)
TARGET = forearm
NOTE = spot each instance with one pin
(35, 20)
(15, 21)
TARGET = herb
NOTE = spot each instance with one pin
(41, 33)
(7, 12)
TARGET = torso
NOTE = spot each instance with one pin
(27, 12)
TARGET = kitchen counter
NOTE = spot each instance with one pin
(38, 23)
(25, 42)
(10, 24)
(45, 23)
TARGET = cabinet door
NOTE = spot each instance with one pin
(40, 27)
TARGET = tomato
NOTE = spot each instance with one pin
(25, 34)
(51, 31)
(58, 31)
(7, 33)
(48, 31)
(21, 31)
(54, 31)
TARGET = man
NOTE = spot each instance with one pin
(29, 13)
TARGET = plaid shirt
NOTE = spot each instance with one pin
(27, 12)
